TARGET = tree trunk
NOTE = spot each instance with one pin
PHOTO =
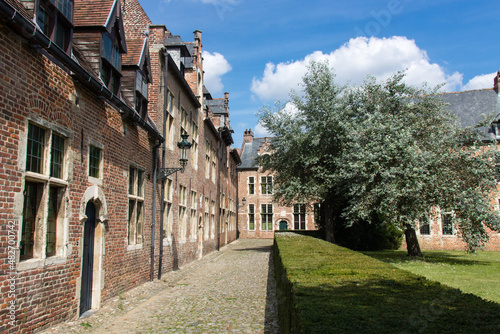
(412, 244)
(328, 221)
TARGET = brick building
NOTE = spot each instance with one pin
(470, 107)
(259, 216)
(93, 100)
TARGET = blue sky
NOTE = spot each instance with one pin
(258, 50)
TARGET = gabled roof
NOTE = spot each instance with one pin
(250, 153)
(138, 54)
(100, 13)
(92, 13)
(175, 42)
(471, 107)
(218, 106)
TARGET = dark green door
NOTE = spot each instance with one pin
(283, 225)
(87, 259)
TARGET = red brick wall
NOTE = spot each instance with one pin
(33, 88)
(280, 212)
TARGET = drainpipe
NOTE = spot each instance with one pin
(153, 220)
(218, 195)
(162, 195)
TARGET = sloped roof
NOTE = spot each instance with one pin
(19, 7)
(471, 107)
(134, 52)
(218, 106)
(92, 13)
(250, 152)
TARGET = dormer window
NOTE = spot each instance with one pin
(111, 64)
(141, 94)
(55, 18)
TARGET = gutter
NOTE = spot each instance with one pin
(30, 32)
(162, 195)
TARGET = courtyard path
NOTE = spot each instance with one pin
(230, 291)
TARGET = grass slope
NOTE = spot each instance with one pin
(336, 290)
(478, 274)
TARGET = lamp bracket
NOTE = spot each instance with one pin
(163, 173)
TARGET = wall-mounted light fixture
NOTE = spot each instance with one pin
(183, 146)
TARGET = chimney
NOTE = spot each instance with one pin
(247, 137)
(496, 82)
(226, 102)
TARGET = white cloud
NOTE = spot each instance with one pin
(215, 66)
(354, 61)
(481, 81)
(261, 131)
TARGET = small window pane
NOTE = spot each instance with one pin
(447, 224)
(140, 181)
(30, 209)
(131, 181)
(52, 221)
(57, 156)
(94, 161)
(35, 149)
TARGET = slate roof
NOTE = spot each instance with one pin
(250, 152)
(217, 105)
(474, 106)
(92, 13)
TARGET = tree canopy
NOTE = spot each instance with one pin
(384, 151)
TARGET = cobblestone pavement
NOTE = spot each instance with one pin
(230, 291)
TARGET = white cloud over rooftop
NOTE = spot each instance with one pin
(360, 57)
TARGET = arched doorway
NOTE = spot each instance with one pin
(283, 225)
(87, 259)
(93, 216)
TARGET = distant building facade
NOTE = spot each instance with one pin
(259, 216)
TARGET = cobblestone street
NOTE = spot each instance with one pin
(230, 291)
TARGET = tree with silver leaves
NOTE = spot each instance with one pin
(387, 151)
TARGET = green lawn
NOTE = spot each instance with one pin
(478, 274)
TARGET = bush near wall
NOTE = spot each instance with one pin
(325, 288)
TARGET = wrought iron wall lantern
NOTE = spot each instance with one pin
(183, 146)
(243, 202)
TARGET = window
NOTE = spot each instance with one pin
(94, 161)
(251, 217)
(194, 147)
(141, 94)
(206, 225)
(251, 185)
(182, 212)
(111, 63)
(170, 135)
(212, 219)
(299, 216)
(57, 156)
(266, 183)
(425, 228)
(214, 164)
(267, 216)
(168, 217)
(208, 149)
(194, 221)
(447, 223)
(184, 121)
(44, 191)
(54, 18)
(135, 206)
(36, 148)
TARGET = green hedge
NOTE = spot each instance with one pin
(325, 288)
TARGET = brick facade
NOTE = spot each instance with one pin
(260, 216)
